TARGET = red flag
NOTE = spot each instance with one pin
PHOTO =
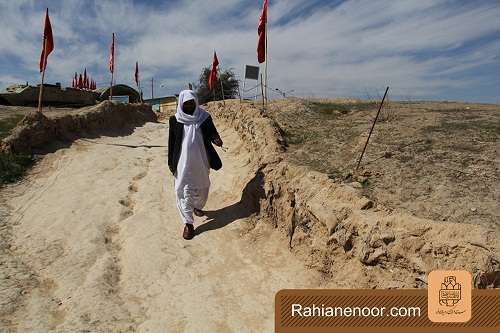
(213, 72)
(261, 31)
(112, 55)
(136, 75)
(80, 82)
(48, 42)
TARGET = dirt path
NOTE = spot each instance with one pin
(96, 238)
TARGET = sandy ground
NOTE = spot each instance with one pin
(92, 243)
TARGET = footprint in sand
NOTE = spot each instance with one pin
(128, 207)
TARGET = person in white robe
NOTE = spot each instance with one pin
(191, 178)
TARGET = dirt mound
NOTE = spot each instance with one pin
(37, 130)
(333, 226)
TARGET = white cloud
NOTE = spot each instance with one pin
(349, 49)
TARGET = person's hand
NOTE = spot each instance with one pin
(218, 141)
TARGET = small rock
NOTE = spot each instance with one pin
(374, 257)
(426, 248)
(365, 203)
(362, 179)
(473, 209)
(356, 185)
(388, 237)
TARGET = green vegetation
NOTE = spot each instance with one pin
(331, 108)
(225, 80)
(7, 124)
(487, 130)
(295, 137)
(13, 166)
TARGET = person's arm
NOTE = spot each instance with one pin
(171, 144)
(215, 137)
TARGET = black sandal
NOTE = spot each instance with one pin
(198, 212)
(188, 231)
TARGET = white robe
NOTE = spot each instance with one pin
(191, 179)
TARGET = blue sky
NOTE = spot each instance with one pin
(423, 49)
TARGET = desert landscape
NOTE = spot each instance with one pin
(436, 160)
(91, 238)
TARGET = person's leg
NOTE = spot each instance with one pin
(200, 200)
(184, 205)
(186, 214)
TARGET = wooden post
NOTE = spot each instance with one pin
(40, 92)
(371, 130)
(239, 90)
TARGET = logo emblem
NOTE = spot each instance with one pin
(449, 296)
(451, 291)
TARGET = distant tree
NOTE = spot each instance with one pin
(229, 84)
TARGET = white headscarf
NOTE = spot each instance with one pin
(199, 115)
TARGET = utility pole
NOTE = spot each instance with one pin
(152, 89)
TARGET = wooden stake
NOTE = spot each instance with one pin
(371, 130)
(239, 90)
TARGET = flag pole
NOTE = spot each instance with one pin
(266, 55)
(112, 66)
(40, 93)
(262, 91)
(111, 87)
(221, 87)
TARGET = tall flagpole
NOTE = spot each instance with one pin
(140, 92)
(111, 87)
(113, 67)
(266, 56)
(221, 87)
(40, 93)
